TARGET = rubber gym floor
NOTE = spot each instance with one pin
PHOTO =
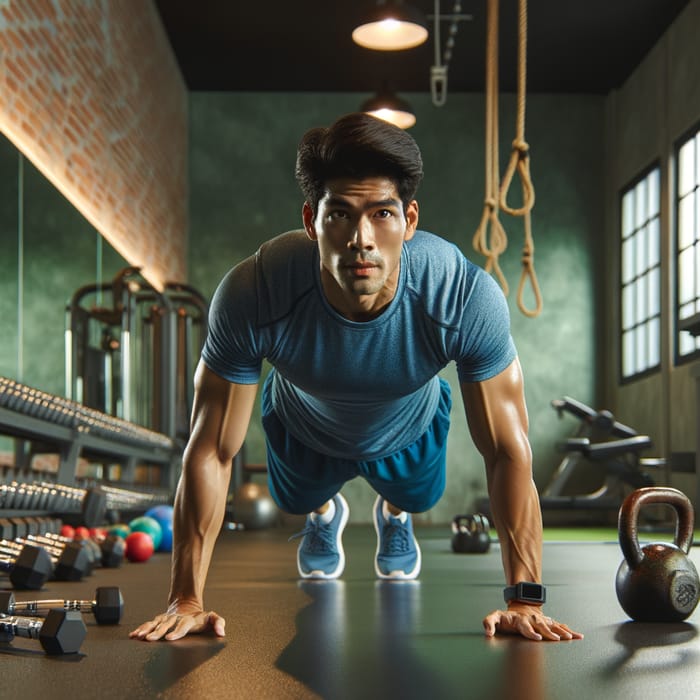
(361, 638)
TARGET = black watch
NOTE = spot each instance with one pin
(525, 592)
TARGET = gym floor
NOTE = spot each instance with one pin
(361, 638)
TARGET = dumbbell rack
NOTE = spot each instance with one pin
(70, 430)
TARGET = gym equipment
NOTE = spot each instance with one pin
(657, 582)
(92, 551)
(62, 632)
(470, 534)
(602, 440)
(150, 526)
(133, 350)
(71, 430)
(70, 563)
(139, 547)
(250, 505)
(30, 569)
(163, 514)
(107, 607)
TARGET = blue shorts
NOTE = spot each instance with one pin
(301, 479)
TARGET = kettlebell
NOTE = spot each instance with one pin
(657, 582)
(470, 534)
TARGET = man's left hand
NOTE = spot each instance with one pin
(528, 621)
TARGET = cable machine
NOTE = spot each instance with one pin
(131, 350)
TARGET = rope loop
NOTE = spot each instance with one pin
(522, 147)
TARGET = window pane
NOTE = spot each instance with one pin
(697, 271)
(641, 250)
(628, 261)
(686, 221)
(641, 297)
(627, 214)
(641, 349)
(654, 240)
(628, 354)
(686, 276)
(640, 202)
(654, 198)
(686, 168)
(628, 307)
(654, 291)
(686, 311)
(654, 331)
(686, 343)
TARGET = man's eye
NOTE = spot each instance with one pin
(384, 213)
(338, 214)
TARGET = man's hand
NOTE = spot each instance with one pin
(178, 621)
(528, 621)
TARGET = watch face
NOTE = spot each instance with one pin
(531, 590)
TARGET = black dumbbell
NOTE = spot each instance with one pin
(107, 607)
(69, 563)
(470, 534)
(87, 506)
(108, 552)
(30, 569)
(62, 632)
(56, 543)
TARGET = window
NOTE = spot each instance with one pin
(641, 275)
(687, 244)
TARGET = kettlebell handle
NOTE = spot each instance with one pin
(629, 516)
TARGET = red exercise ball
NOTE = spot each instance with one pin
(139, 547)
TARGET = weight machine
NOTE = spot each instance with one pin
(131, 350)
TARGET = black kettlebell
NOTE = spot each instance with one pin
(658, 582)
(470, 534)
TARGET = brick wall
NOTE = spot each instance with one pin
(91, 93)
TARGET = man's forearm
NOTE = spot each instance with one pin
(200, 504)
(516, 513)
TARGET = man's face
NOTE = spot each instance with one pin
(360, 228)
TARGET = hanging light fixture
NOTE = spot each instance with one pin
(391, 26)
(391, 108)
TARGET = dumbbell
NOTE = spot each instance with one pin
(470, 534)
(107, 607)
(69, 563)
(76, 504)
(57, 543)
(62, 632)
(30, 569)
(108, 552)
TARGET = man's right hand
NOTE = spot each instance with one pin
(179, 621)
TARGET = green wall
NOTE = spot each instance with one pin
(242, 153)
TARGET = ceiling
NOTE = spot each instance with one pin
(575, 46)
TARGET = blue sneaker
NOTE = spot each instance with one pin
(320, 554)
(398, 554)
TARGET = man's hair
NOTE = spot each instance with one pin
(357, 146)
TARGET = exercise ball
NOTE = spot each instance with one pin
(253, 507)
(163, 514)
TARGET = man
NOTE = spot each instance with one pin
(357, 314)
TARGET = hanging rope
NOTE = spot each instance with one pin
(495, 198)
(520, 161)
(498, 239)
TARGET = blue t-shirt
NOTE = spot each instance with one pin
(357, 390)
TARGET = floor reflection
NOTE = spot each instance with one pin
(370, 652)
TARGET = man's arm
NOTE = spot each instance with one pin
(220, 418)
(497, 418)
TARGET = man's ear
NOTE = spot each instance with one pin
(411, 219)
(307, 216)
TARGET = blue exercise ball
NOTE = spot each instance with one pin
(163, 514)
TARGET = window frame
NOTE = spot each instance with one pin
(691, 133)
(622, 285)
